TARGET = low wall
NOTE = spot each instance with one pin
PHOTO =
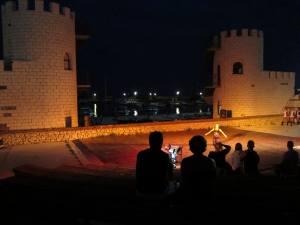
(68, 134)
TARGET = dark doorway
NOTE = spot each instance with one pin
(68, 122)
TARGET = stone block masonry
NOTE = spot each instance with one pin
(240, 81)
(38, 73)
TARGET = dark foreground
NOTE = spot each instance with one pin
(65, 196)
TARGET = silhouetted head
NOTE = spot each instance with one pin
(238, 147)
(197, 144)
(290, 145)
(155, 140)
(250, 145)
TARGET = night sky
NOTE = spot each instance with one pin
(159, 45)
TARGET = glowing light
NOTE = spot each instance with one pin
(135, 113)
(177, 110)
(177, 92)
(135, 93)
(95, 94)
(95, 110)
(155, 94)
(200, 111)
(150, 94)
(217, 126)
(201, 93)
(124, 94)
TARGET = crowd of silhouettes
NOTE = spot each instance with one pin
(154, 169)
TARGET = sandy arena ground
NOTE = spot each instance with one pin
(102, 190)
(122, 151)
(117, 154)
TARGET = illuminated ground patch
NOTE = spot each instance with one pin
(122, 150)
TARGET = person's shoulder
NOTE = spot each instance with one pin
(185, 161)
(207, 159)
(143, 152)
(211, 153)
(198, 158)
(188, 159)
(162, 153)
(236, 153)
(295, 152)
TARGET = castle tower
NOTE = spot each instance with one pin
(242, 87)
(38, 78)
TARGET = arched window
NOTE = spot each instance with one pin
(67, 62)
(237, 68)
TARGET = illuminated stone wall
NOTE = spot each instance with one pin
(255, 92)
(39, 92)
(61, 135)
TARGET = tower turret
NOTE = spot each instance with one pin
(39, 47)
(239, 80)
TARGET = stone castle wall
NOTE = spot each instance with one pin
(61, 135)
(255, 92)
(38, 91)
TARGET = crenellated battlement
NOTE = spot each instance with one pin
(236, 33)
(38, 72)
(242, 86)
(241, 33)
(37, 6)
(279, 75)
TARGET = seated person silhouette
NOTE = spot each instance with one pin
(251, 160)
(154, 170)
(219, 156)
(289, 163)
(198, 172)
(237, 159)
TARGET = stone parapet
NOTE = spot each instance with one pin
(67, 134)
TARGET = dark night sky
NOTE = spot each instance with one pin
(161, 44)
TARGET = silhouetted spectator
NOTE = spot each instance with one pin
(251, 160)
(219, 156)
(153, 168)
(198, 172)
(289, 163)
(236, 159)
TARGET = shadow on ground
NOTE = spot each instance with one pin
(64, 196)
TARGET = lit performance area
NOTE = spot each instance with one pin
(119, 152)
(96, 178)
(122, 151)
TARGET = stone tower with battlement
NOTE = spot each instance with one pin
(38, 85)
(242, 87)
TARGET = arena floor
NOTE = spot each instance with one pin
(122, 151)
(118, 153)
(105, 194)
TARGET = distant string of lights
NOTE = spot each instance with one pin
(151, 94)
